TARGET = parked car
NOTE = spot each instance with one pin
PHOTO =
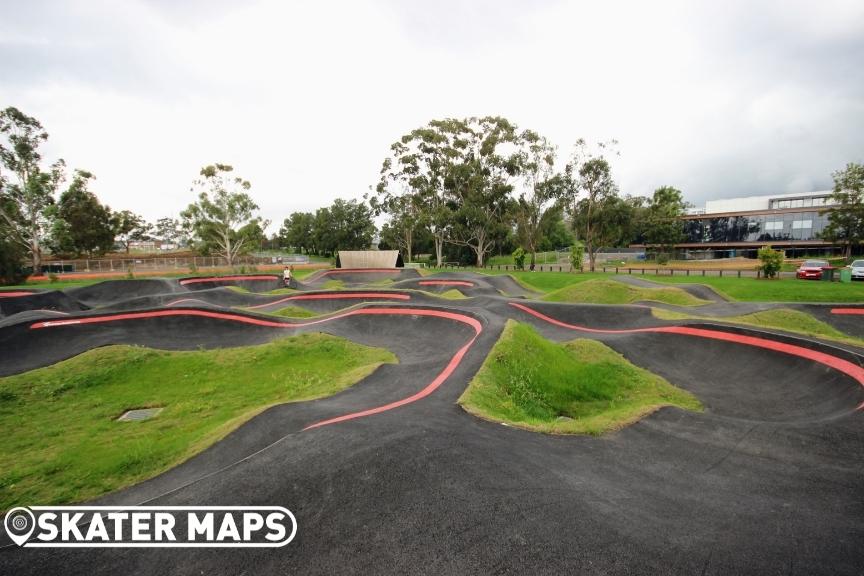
(811, 269)
(857, 268)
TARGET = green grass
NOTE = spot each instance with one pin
(785, 319)
(784, 290)
(452, 294)
(613, 292)
(62, 443)
(283, 291)
(544, 258)
(334, 285)
(59, 285)
(291, 312)
(544, 281)
(581, 387)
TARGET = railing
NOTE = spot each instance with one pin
(640, 270)
(161, 264)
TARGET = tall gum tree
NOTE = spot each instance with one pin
(541, 189)
(480, 179)
(224, 215)
(846, 219)
(412, 181)
(589, 184)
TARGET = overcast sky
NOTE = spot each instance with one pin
(720, 99)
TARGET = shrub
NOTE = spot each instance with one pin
(772, 261)
(519, 258)
(662, 258)
(53, 278)
(193, 268)
(11, 256)
(577, 254)
(130, 273)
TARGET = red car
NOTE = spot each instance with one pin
(811, 269)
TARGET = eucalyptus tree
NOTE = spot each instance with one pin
(297, 232)
(542, 187)
(82, 224)
(26, 199)
(224, 217)
(412, 183)
(662, 223)
(130, 227)
(591, 194)
(168, 230)
(406, 219)
(846, 219)
(480, 180)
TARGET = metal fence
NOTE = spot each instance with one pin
(641, 271)
(163, 264)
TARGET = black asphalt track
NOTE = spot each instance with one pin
(766, 481)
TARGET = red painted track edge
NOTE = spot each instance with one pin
(431, 387)
(336, 296)
(853, 370)
(446, 283)
(221, 278)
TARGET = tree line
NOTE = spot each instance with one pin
(459, 189)
(479, 184)
(39, 214)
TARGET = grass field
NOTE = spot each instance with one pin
(784, 319)
(62, 443)
(602, 291)
(743, 289)
(581, 387)
(544, 281)
(785, 290)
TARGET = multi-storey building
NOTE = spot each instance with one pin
(740, 226)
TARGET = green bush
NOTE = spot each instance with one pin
(772, 261)
(662, 258)
(53, 278)
(519, 258)
(11, 256)
(577, 255)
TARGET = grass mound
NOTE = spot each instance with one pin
(62, 442)
(785, 290)
(452, 294)
(294, 312)
(784, 319)
(612, 292)
(581, 387)
(285, 312)
(334, 285)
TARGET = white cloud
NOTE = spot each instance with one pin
(304, 99)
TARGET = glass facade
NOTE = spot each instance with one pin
(809, 202)
(805, 225)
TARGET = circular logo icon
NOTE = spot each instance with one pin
(19, 523)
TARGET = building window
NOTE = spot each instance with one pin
(776, 225)
(798, 224)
